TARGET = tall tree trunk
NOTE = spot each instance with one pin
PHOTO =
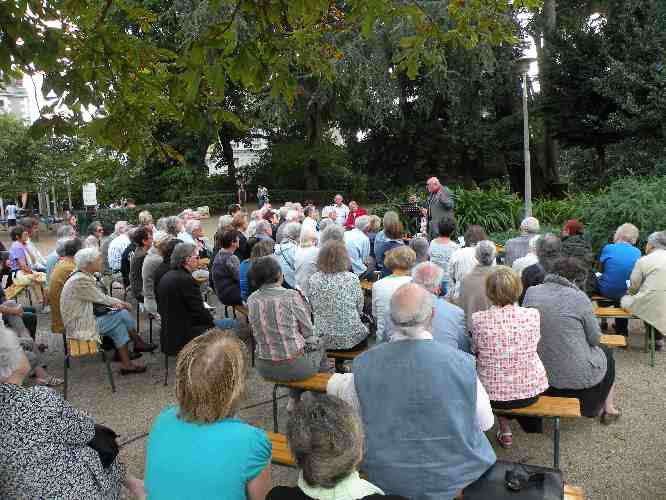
(550, 170)
(228, 153)
(313, 134)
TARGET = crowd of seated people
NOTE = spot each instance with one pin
(491, 337)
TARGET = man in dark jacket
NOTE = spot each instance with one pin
(180, 303)
(439, 205)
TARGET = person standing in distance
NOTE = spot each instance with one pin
(11, 210)
(438, 205)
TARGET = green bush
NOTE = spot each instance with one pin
(638, 201)
(217, 202)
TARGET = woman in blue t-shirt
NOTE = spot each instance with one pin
(198, 449)
(617, 260)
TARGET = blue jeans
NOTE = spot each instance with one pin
(117, 325)
(227, 324)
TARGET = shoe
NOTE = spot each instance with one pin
(132, 356)
(50, 382)
(505, 439)
(144, 347)
(131, 371)
(609, 418)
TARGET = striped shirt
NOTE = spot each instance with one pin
(116, 249)
(280, 322)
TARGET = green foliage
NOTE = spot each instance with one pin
(281, 166)
(638, 201)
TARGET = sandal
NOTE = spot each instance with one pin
(609, 418)
(130, 371)
(50, 382)
(505, 439)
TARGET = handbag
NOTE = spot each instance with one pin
(515, 481)
(101, 309)
(105, 444)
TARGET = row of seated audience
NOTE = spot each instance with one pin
(532, 333)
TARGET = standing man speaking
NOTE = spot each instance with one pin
(438, 205)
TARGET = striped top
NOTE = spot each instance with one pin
(281, 323)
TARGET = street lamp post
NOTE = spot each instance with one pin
(524, 66)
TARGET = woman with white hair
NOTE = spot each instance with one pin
(646, 297)
(45, 447)
(88, 312)
(473, 296)
(306, 257)
(286, 253)
(616, 262)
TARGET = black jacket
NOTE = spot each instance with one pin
(181, 307)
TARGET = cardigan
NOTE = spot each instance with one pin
(61, 272)
(150, 263)
(78, 295)
(473, 296)
(647, 293)
(570, 334)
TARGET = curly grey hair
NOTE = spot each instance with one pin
(548, 250)
(658, 240)
(171, 225)
(292, 230)
(626, 232)
(485, 252)
(333, 232)
(180, 254)
(429, 275)
(11, 353)
(421, 247)
(262, 227)
(326, 436)
(85, 257)
(361, 223)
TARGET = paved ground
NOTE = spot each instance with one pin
(622, 461)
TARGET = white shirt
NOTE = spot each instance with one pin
(519, 265)
(358, 249)
(341, 213)
(382, 291)
(309, 223)
(186, 237)
(11, 212)
(462, 262)
(306, 266)
(40, 261)
(116, 249)
(342, 386)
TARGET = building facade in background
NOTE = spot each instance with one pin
(14, 100)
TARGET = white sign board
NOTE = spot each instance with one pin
(90, 194)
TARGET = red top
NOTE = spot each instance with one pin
(505, 342)
(351, 218)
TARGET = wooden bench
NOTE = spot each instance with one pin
(242, 310)
(281, 453)
(614, 340)
(75, 348)
(549, 407)
(619, 312)
(316, 383)
(346, 355)
(282, 456)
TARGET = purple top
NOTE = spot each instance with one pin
(17, 251)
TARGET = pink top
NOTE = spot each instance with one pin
(505, 342)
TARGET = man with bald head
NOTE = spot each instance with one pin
(448, 323)
(423, 408)
(438, 205)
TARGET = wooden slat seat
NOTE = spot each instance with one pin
(316, 383)
(79, 348)
(345, 354)
(573, 493)
(549, 407)
(595, 297)
(614, 340)
(612, 312)
(366, 285)
(281, 453)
